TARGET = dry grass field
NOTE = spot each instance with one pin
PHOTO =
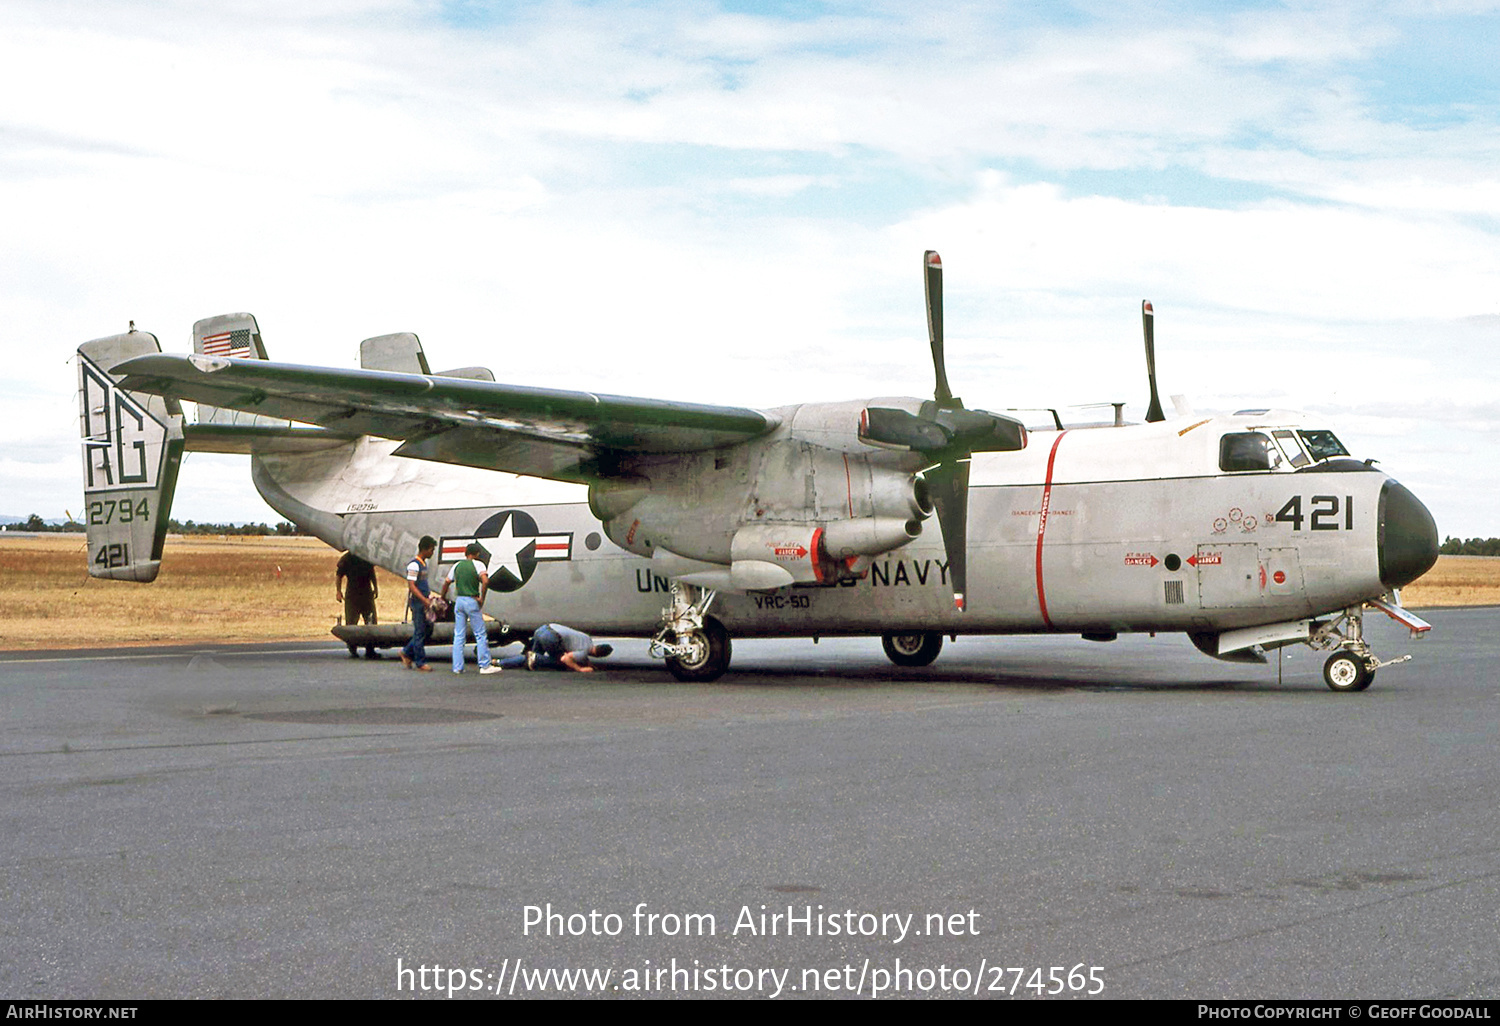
(217, 589)
(1456, 581)
(211, 589)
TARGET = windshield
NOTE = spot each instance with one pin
(1323, 444)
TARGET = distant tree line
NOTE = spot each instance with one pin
(192, 527)
(1472, 547)
(35, 523)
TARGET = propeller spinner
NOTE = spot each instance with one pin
(947, 434)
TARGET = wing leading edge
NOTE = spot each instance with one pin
(542, 432)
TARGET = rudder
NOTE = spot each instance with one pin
(235, 335)
(132, 450)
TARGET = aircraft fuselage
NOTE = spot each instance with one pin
(1090, 531)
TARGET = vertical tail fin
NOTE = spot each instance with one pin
(132, 449)
(234, 335)
(400, 352)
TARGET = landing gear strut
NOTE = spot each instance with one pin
(696, 645)
(1352, 666)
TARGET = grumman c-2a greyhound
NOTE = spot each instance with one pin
(1247, 532)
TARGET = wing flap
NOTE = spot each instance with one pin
(246, 439)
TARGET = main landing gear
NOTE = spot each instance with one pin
(696, 645)
(1352, 666)
(914, 648)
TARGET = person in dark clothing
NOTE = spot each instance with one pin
(358, 596)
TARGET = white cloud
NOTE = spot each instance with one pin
(679, 202)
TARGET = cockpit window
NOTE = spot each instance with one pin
(1323, 445)
(1289, 445)
(1248, 450)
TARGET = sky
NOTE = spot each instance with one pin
(727, 202)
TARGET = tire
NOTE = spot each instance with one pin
(710, 657)
(1346, 672)
(912, 648)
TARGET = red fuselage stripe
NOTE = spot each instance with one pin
(1041, 531)
(849, 485)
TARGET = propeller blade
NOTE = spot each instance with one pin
(1148, 321)
(933, 265)
(948, 484)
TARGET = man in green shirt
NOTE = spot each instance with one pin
(470, 582)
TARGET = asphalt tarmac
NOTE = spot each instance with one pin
(281, 821)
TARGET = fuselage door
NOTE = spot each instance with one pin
(1283, 574)
(1228, 575)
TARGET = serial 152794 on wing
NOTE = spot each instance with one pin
(900, 517)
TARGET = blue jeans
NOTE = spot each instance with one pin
(467, 617)
(547, 649)
(421, 630)
(544, 661)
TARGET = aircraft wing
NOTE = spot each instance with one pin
(543, 432)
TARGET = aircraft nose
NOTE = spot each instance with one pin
(1408, 538)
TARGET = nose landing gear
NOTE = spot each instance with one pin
(1352, 666)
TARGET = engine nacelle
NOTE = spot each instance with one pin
(898, 496)
(868, 536)
(743, 503)
(609, 499)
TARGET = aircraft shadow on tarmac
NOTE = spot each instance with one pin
(873, 673)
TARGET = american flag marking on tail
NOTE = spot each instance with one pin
(227, 343)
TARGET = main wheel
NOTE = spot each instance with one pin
(1345, 671)
(917, 648)
(709, 657)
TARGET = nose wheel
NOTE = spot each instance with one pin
(1345, 671)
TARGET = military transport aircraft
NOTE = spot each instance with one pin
(687, 523)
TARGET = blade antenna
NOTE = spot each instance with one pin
(1148, 326)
